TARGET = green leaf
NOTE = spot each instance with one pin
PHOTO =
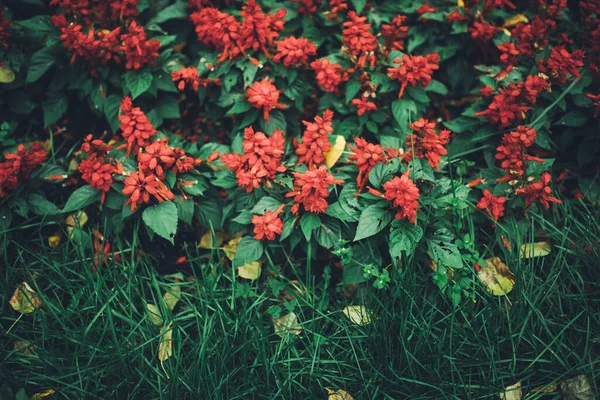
(209, 213)
(404, 112)
(162, 220)
(382, 173)
(404, 236)
(308, 223)
(443, 251)
(137, 82)
(168, 107)
(573, 119)
(248, 250)
(185, 210)
(40, 62)
(276, 121)
(359, 5)
(111, 111)
(329, 232)
(372, 221)
(82, 197)
(352, 88)
(40, 206)
(240, 106)
(265, 204)
(174, 11)
(437, 87)
(54, 108)
(462, 124)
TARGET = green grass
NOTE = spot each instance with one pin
(93, 339)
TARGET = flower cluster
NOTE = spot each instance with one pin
(17, 167)
(137, 49)
(359, 41)
(539, 191)
(394, 33)
(414, 70)
(561, 64)
(139, 186)
(315, 141)
(135, 126)
(89, 11)
(363, 105)
(511, 153)
(261, 160)
(268, 226)
(426, 142)
(404, 195)
(311, 189)
(189, 76)
(263, 94)
(493, 205)
(367, 155)
(293, 51)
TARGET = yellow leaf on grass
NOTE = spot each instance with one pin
(497, 277)
(338, 394)
(334, 154)
(172, 296)
(231, 247)
(539, 249)
(512, 392)
(165, 348)
(249, 271)
(154, 314)
(7, 75)
(206, 241)
(43, 395)
(76, 220)
(515, 19)
(287, 325)
(25, 300)
(358, 315)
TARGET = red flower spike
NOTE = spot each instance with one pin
(139, 187)
(367, 155)
(539, 191)
(98, 174)
(337, 7)
(315, 141)
(359, 40)
(263, 94)
(138, 50)
(311, 189)
(395, 33)
(493, 205)
(483, 31)
(414, 70)
(426, 143)
(363, 105)
(156, 158)
(135, 127)
(259, 30)
(561, 63)
(220, 30)
(294, 51)
(404, 195)
(269, 225)
(329, 76)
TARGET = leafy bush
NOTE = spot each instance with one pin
(353, 133)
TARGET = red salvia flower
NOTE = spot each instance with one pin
(486, 91)
(511, 153)
(337, 7)
(307, 7)
(156, 158)
(218, 29)
(414, 70)
(4, 32)
(404, 195)
(394, 33)
(359, 40)
(268, 226)
(426, 143)
(561, 63)
(424, 9)
(18, 167)
(183, 162)
(367, 155)
(596, 100)
(94, 148)
(539, 191)
(98, 174)
(315, 140)
(532, 37)
(509, 53)
(294, 51)
(363, 105)
(311, 189)
(258, 30)
(137, 49)
(492, 4)
(135, 126)
(261, 160)
(263, 94)
(483, 31)
(139, 187)
(123, 9)
(186, 75)
(329, 76)
(493, 205)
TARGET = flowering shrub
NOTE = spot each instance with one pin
(355, 133)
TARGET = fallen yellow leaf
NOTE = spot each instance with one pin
(512, 392)
(54, 241)
(577, 388)
(539, 249)
(172, 296)
(206, 241)
(249, 271)
(154, 314)
(43, 395)
(165, 348)
(358, 315)
(7, 75)
(287, 325)
(496, 277)
(76, 220)
(515, 19)
(231, 247)
(335, 152)
(25, 300)
(338, 394)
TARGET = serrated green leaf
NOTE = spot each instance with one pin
(248, 250)
(137, 82)
(81, 198)
(372, 221)
(162, 220)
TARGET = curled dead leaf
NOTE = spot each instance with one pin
(338, 394)
(172, 296)
(44, 394)
(249, 271)
(512, 392)
(496, 276)
(358, 315)
(539, 249)
(287, 325)
(206, 241)
(25, 300)
(154, 314)
(165, 348)
(336, 151)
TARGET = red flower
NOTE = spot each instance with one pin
(315, 140)
(486, 91)
(539, 191)
(294, 51)
(261, 160)
(337, 8)
(511, 152)
(268, 225)
(363, 105)
(19, 166)
(258, 30)
(311, 189)
(483, 31)
(509, 53)
(367, 155)
(492, 4)
(187, 75)
(426, 143)
(359, 40)
(394, 33)
(424, 9)
(139, 187)
(307, 7)
(138, 50)
(156, 158)
(183, 162)
(263, 94)
(596, 100)
(4, 32)
(98, 174)
(414, 70)
(94, 148)
(329, 76)
(533, 37)
(561, 63)
(137, 129)
(493, 205)
(217, 29)
(404, 195)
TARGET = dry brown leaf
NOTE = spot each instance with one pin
(287, 325)
(338, 394)
(172, 296)
(249, 271)
(539, 249)
(497, 277)
(76, 220)
(231, 247)
(25, 300)
(43, 395)
(165, 348)
(206, 241)
(512, 392)
(358, 315)
(577, 388)
(335, 152)
(154, 314)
